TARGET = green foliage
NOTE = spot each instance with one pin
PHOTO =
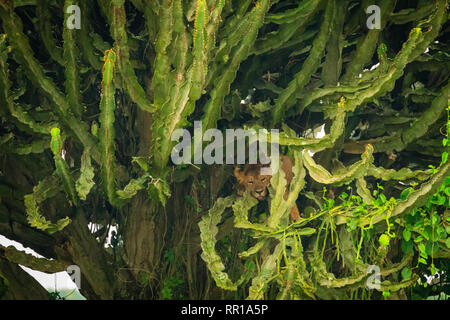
(168, 291)
(378, 197)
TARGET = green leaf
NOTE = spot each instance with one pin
(438, 199)
(406, 273)
(444, 157)
(406, 235)
(447, 242)
(407, 247)
(447, 191)
(405, 193)
(343, 196)
(421, 247)
(384, 240)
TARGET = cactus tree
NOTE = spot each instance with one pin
(92, 92)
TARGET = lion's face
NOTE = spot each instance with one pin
(250, 179)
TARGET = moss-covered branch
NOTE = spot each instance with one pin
(27, 260)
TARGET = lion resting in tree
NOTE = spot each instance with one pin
(250, 179)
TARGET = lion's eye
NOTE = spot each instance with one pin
(263, 179)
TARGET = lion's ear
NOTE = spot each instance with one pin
(238, 174)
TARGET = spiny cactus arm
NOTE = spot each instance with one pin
(151, 15)
(120, 36)
(62, 168)
(185, 87)
(279, 207)
(413, 14)
(387, 81)
(305, 9)
(419, 127)
(43, 13)
(300, 19)
(24, 55)
(182, 42)
(402, 174)
(36, 146)
(133, 187)
(308, 97)
(419, 197)
(239, 14)
(328, 280)
(106, 132)
(200, 50)
(268, 269)
(215, 21)
(316, 144)
(288, 96)
(222, 53)
(240, 208)
(289, 34)
(362, 190)
(278, 183)
(332, 67)
(71, 64)
(434, 24)
(254, 249)
(208, 232)
(302, 282)
(85, 40)
(24, 259)
(212, 109)
(46, 188)
(287, 284)
(85, 181)
(392, 287)
(385, 285)
(367, 44)
(396, 267)
(173, 112)
(232, 31)
(415, 199)
(354, 171)
(162, 63)
(5, 94)
(413, 47)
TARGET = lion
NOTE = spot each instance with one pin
(250, 179)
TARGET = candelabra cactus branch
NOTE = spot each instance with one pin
(360, 114)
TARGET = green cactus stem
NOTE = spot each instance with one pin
(287, 97)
